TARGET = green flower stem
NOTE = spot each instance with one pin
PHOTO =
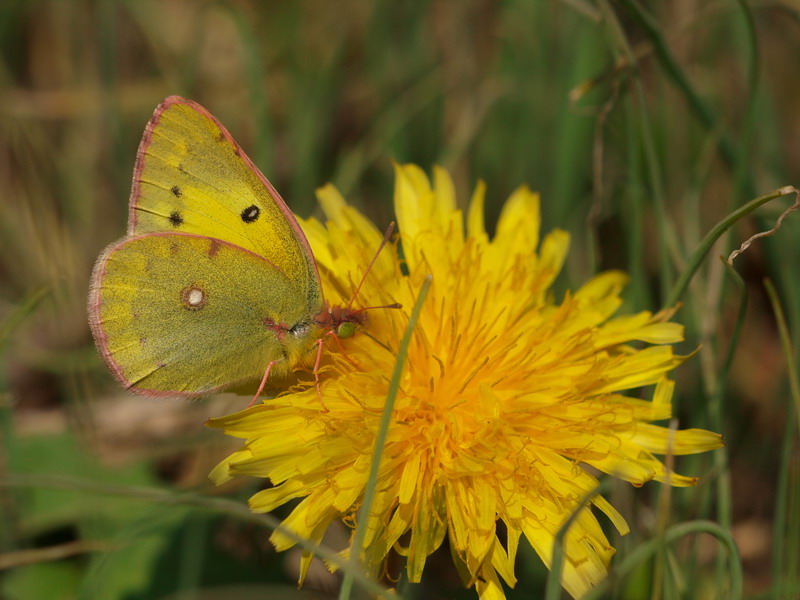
(646, 550)
(779, 590)
(788, 352)
(696, 259)
(380, 441)
(785, 552)
(715, 405)
(727, 149)
(667, 241)
(715, 412)
(743, 182)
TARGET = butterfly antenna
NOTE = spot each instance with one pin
(386, 236)
(394, 305)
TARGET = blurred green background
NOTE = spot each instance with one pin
(642, 125)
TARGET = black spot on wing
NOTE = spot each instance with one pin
(251, 214)
(175, 218)
(176, 191)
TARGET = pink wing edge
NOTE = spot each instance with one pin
(96, 323)
(145, 143)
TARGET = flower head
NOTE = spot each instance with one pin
(505, 395)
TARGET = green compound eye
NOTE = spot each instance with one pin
(346, 329)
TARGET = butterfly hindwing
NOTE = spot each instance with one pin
(177, 313)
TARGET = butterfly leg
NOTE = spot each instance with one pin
(343, 351)
(263, 382)
(320, 342)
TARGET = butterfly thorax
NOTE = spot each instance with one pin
(343, 321)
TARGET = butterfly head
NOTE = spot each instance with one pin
(341, 321)
(347, 329)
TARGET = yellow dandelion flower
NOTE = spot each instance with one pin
(505, 394)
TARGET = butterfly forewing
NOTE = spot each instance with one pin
(192, 177)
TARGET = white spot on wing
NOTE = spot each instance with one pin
(195, 297)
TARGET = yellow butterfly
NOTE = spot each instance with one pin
(215, 283)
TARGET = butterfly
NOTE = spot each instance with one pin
(215, 283)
